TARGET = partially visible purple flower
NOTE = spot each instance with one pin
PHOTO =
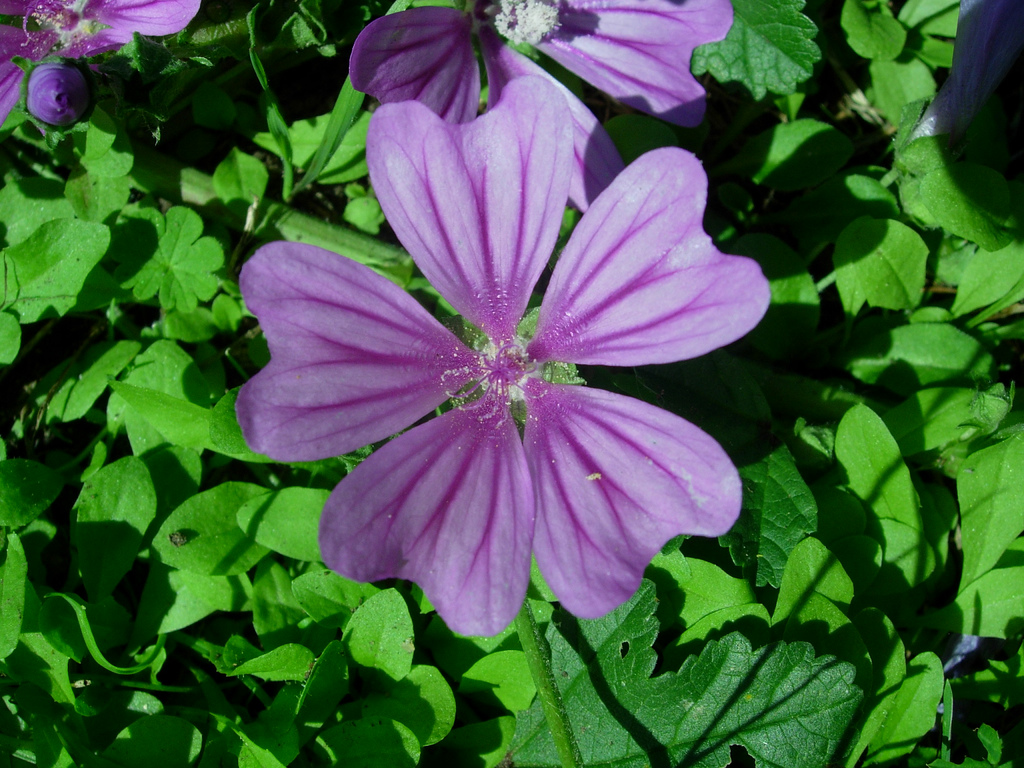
(591, 482)
(989, 38)
(78, 28)
(636, 50)
(57, 93)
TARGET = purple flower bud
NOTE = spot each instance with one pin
(989, 37)
(57, 93)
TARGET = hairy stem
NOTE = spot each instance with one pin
(538, 655)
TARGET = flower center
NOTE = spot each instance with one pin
(526, 21)
(503, 369)
(65, 16)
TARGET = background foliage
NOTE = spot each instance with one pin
(162, 601)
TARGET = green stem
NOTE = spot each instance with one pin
(538, 656)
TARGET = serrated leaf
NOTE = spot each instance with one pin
(783, 705)
(778, 511)
(770, 48)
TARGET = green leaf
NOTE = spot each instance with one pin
(179, 421)
(13, 581)
(114, 509)
(174, 599)
(286, 662)
(180, 268)
(778, 512)
(895, 84)
(770, 47)
(793, 315)
(636, 134)
(329, 598)
(876, 473)
(502, 678)
(998, 683)
(889, 666)
(480, 745)
(371, 744)
(342, 116)
(325, 687)
(992, 605)
(10, 338)
(97, 198)
(913, 712)
(240, 180)
(932, 419)
(87, 378)
(202, 535)
(380, 635)
(811, 569)
(286, 521)
(30, 202)
(158, 741)
(971, 201)
(108, 151)
(27, 488)
(872, 32)
(791, 156)
(906, 358)
(34, 660)
(881, 262)
(690, 589)
(275, 612)
(308, 136)
(820, 215)
(990, 278)
(991, 505)
(780, 703)
(225, 433)
(51, 266)
(422, 701)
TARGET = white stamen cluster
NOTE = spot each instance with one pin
(526, 21)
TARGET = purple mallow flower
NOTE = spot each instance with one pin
(591, 482)
(636, 50)
(57, 93)
(989, 38)
(77, 28)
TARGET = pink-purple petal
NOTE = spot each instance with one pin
(354, 358)
(477, 205)
(640, 281)
(639, 50)
(10, 88)
(423, 54)
(615, 478)
(597, 161)
(447, 505)
(147, 17)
